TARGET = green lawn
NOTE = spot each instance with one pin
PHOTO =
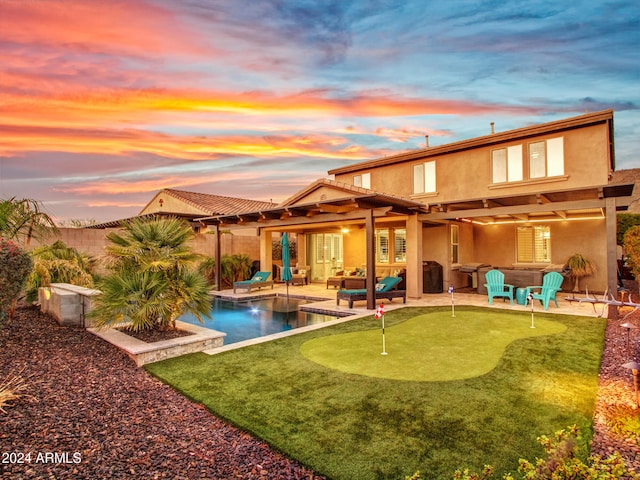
(452, 392)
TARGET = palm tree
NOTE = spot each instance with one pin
(154, 278)
(23, 220)
(58, 263)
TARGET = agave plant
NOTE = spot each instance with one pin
(580, 267)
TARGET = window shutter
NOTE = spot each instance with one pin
(525, 244)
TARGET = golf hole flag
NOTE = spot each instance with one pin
(380, 314)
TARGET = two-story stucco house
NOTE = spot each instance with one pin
(524, 199)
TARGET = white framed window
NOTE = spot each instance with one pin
(399, 245)
(546, 158)
(506, 164)
(382, 245)
(533, 244)
(362, 180)
(455, 244)
(424, 177)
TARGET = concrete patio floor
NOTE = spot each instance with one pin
(324, 301)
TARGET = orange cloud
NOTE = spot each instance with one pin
(188, 147)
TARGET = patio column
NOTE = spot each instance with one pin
(611, 219)
(301, 243)
(217, 257)
(414, 257)
(371, 259)
(266, 251)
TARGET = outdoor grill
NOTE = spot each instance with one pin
(472, 269)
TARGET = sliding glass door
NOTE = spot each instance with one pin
(324, 252)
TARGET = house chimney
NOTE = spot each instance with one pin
(492, 129)
(426, 141)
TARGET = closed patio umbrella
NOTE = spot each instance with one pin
(286, 262)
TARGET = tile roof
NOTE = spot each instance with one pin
(218, 204)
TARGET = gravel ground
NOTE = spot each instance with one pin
(98, 416)
(95, 415)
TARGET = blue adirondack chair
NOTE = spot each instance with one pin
(496, 286)
(551, 284)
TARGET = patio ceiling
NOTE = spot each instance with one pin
(561, 205)
(329, 210)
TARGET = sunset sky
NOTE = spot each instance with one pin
(103, 103)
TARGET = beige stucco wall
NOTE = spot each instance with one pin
(496, 245)
(467, 174)
(354, 251)
(162, 202)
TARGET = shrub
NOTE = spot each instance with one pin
(625, 222)
(15, 265)
(58, 263)
(563, 463)
(632, 247)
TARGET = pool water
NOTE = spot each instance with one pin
(256, 318)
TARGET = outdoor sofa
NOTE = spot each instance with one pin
(384, 289)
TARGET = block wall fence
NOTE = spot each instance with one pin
(93, 242)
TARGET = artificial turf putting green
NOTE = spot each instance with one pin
(429, 347)
(349, 426)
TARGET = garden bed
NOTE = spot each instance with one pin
(90, 399)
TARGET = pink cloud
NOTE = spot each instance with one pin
(134, 27)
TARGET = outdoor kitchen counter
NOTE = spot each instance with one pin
(518, 277)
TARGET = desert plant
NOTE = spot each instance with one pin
(632, 247)
(563, 462)
(12, 387)
(15, 265)
(208, 269)
(153, 279)
(580, 266)
(234, 268)
(58, 263)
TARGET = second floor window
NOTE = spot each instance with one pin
(546, 158)
(363, 180)
(506, 164)
(424, 177)
(543, 159)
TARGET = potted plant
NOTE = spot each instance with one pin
(580, 266)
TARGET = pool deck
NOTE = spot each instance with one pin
(324, 301)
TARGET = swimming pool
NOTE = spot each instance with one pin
(256, 318)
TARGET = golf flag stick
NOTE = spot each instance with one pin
(453, 310)
(530, 298)
(380, 314)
